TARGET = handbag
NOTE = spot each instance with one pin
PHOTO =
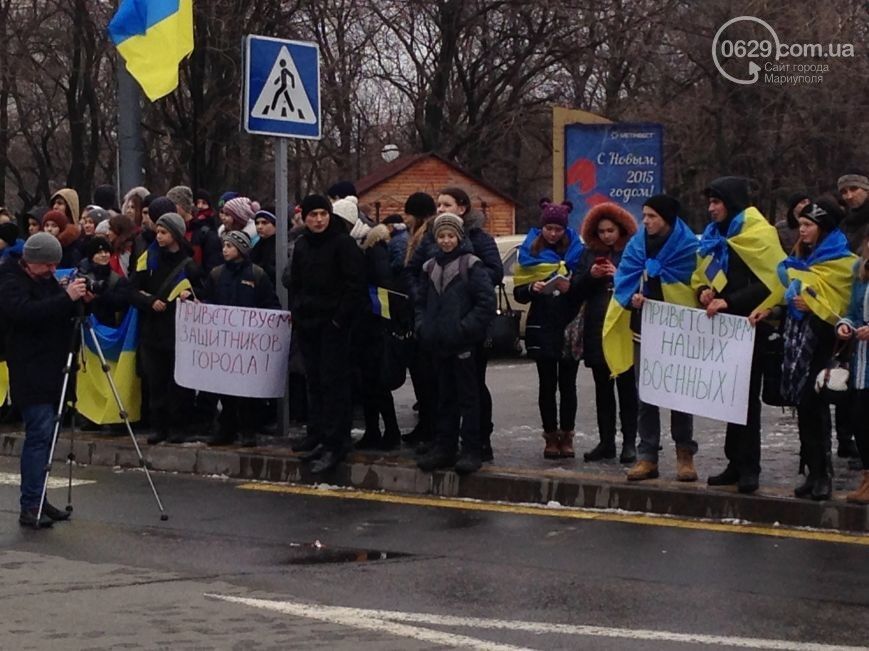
(832, 383)
(771, 361)
(397, 350)
(574, 334)
(502, 336)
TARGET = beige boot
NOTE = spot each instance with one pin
(685, 465)
(861, 495)
(643, 470)
(566, 445)
(553, 445)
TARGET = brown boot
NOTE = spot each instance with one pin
(566, 445)
(861, 495)
(643, 470)
(553, 447)
(685, 465)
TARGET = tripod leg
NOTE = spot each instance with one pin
(70, 458)
(123, 414)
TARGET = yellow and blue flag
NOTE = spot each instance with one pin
(755, 241)
(388, 304)
(153, 37)
(93, 393)
(823, 278)
(149, 260)
(547, 262)
(674, 264)
(4, 382)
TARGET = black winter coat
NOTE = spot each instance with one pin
(263, 254)
(158, 328)
(856, 226)
(482, 245)
(327, 280)
(241, 284)
(595, 293)
(207, 247)
(38, 315)
(453, 310)
(111, 304)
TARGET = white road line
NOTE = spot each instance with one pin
(363, 618)
(55, 481)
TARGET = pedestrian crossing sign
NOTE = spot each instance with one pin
(281, 92)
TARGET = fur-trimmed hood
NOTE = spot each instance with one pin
(71, 233)
(615, 213)
(379, 233)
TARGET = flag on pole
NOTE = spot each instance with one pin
(153, 37)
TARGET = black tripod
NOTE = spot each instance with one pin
(81, 327)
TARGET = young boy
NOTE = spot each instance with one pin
(263, 252)
(240, 283)
(455, 305)
(162, 273)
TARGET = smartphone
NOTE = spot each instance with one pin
(601, 260)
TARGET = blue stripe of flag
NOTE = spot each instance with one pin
(135, 17)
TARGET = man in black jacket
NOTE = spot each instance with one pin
(854, 188)
(39, 313)
(328, 294)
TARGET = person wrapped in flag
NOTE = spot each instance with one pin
(657, 264)
(164, 273)
(547, 258)
(817, 278)
(737, 273)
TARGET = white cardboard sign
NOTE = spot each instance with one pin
(234, 351)
(691, 363)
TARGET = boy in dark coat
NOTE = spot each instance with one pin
(263, 253)
(240, 283)
(160, 274)
(455, 305)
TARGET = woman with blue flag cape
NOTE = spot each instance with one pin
(817, 278)
(657, 265)
(606, 230)
(546, 259)
(737, 273)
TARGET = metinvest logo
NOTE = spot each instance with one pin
(746, 50)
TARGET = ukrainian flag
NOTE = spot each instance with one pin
(95, 400)
(153, 37)
(388, 304)
(148, 262)
(547, 263)
(674, 264)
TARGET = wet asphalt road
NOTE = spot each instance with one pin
(116, 577)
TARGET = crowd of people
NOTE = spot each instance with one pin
(438, 269)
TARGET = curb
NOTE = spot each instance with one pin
(400, 475)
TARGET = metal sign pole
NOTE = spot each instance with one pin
(281, 254)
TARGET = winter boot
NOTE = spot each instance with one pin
(629, 452)
(726, 477)
(391, 439)
(804, 490)
(823, 488)
(861, 495)
(553, 445)
(27, 518)
(436, 458)
(371, 440)
(685, 465)
(565, 446)
(643, 470)
(469, 461)
(606, 449)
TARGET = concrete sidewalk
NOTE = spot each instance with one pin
(519, 473)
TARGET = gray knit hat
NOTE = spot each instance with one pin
(181, 196)
(239, 239)
(451, 222)
(42, 248)
(174, 223)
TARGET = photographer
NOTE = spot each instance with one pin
(39, 314)
(111, 290)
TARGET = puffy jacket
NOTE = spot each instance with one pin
(263, 254)
(455, 306)
(38, 316)
(242, 284)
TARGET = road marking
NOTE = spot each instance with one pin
(569, 513)
(14, 479)
(386, 621)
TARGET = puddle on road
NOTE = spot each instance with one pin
(317, 554)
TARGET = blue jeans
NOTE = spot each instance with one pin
(38, 429)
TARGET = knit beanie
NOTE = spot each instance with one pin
(265, 214)
(853, 179)
(825, 214)
(239, 239)
(342, 189)
(146, 202)
(57, 217)
(241, 209)
(102, 228)
(181, 196)
(793, 200)
(226, 196)
(159, 207)
(174, 223)
(347, 209)
(95, 245)
(9, 233)
(42, 248)
(420, 205)
(451, 222)
(315, 202)
(666, 206)
(202, 195)
(393, 219)
(97, 214)
(554, 213)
